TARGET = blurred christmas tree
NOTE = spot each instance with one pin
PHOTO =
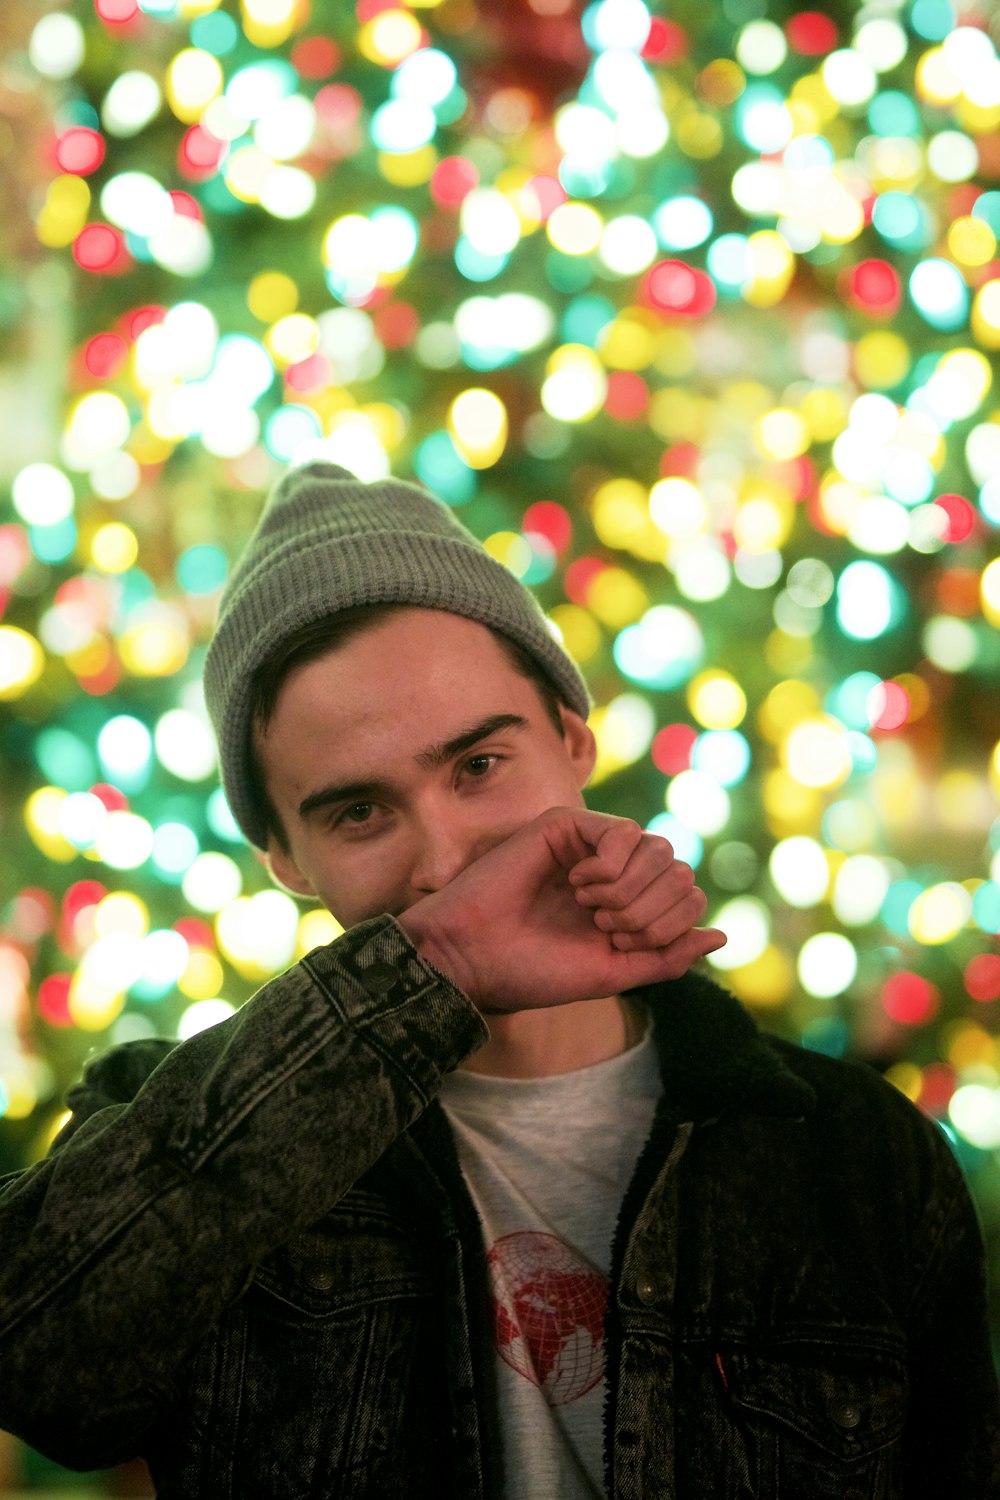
(692, 313)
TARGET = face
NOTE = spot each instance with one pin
(404, 755)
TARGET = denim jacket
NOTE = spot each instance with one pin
(251, 1259)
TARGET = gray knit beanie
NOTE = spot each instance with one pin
(326, 542)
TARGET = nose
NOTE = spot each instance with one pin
(443, 846)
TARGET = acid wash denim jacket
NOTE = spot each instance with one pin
(251, 1259)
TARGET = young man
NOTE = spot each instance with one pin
(490, 1197)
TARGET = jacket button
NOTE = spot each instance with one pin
(321, 1279)
(379, 977)
(645, 1290)
(846, 1414)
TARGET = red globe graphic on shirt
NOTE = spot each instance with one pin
(548, 1313)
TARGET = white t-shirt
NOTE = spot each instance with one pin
(547, 1161)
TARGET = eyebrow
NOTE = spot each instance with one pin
(430, 759)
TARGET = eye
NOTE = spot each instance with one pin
(490, 762)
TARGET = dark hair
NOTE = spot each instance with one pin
(319, 638)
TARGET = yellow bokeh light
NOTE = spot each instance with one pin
(316, 929)
(934, 79)
(121, 912)
(202, 978)
(42, 815)
(477, 421)
(762, 523)
(986, 315)
(816, 752)
(292, 339)
(781, 434)
(21, 1096)
(408, 168)
(272, 295)
(64, 213)
(677, 507)
(114, 547)
(989, 588)
(628, 342)
(389, 37)
(247, 173)
(268, 23)
(619, 512)
(699, 135)
(772, 266)
(22, 661)
(575, 384)
(580, 632)
(971, 241)
(881, 359)
(716, 700)
(91, 1006)
(616, 598)
(786, 705)
(939, 913)
(791, 808)
(511, 549)
(826, 411)
(575, 228)
(194, 79)
(907, 1077)
(154, 648)
(767, 981)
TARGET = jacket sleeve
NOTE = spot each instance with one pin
(121, 1250)
(952, 1445)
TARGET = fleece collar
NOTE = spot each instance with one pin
(713, 1058)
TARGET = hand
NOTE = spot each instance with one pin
(573, 906)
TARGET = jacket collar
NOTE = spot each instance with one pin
(713, 1058)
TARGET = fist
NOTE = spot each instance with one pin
(573, 906)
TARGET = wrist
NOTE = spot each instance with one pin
(432, 947)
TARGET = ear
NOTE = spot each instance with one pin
(581, 746)
(284, 871)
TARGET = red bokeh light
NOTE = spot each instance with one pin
(452, 180)
(666, 43)
(338, 105)
(680, 460)
(874, 286)
(627, 397)
(672, 747)
(310, 374)
(549, 520)
(195, 932)
(672, 286)
(185, 205)
(397, 325)
(982, 976)
(141, 318)
(117, 12)
(909, 998)
(937, 1088)
(53, 1000)
(199, 153)
(79, 150)
(100, 248)
(961, 517)
(810, 33)
(548, 193)
(579, 578)
(105, 354)
(315, 57)
(113, 798)
(889, 706)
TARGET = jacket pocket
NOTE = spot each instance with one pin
(828, 1419)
